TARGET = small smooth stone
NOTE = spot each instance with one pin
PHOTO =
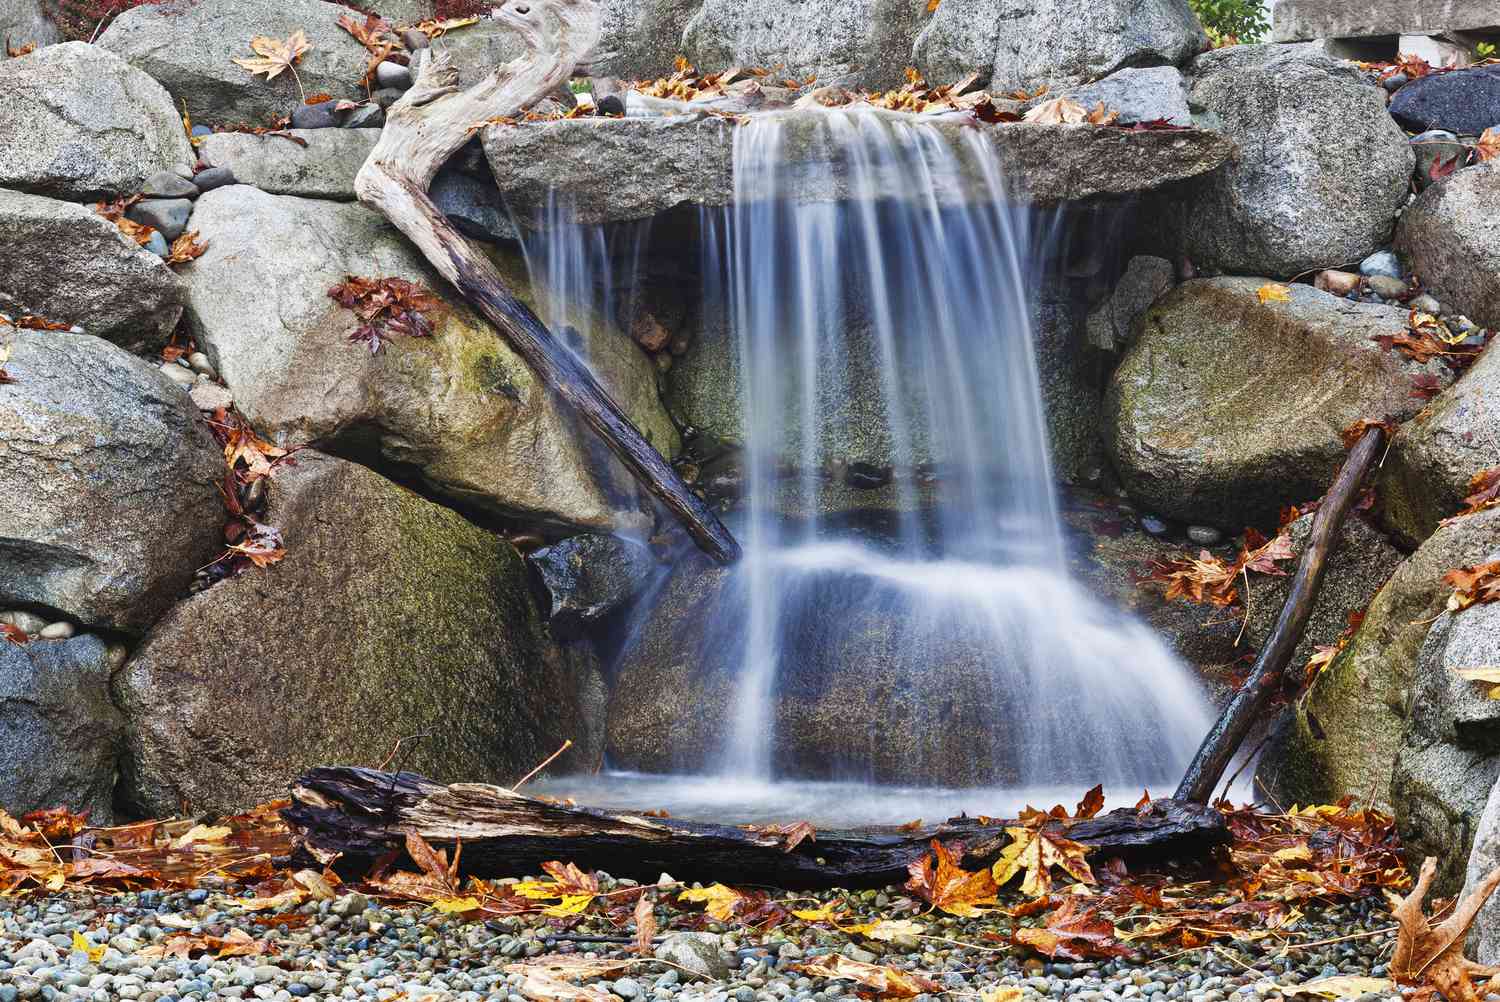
(323, 115)
(414, 39)
(368, 116)
(157, 244)
(213, 177)
(209, 397)
(1394, 82)
(165, 184)
(626, 988)
(1154, 525)
(390, 74)
(200, 363)
(1381, 263)
(1205, 535)
(611, 107)
(1386, 287)
(1338, 283)
(1427, 304)
(181, 375)
(61, 630)
(168, 216)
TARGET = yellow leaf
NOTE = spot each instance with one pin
(1035, 851)
(456, 906)
(1274, 292)
(1344, 986)
(95, 953)
(887, 930)
(998, 993)
(1058, 111)
(932, 6)
(273, 55)
(886, 982)
(1294, 854)
(719, 901)
(537, 889)
(1488, 674)
(828, 913)
(571, 904)
(200, 833)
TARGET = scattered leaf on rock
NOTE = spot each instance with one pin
(1478, 585)
(884, 982)
(272, 55)
(1431, 956)
(1274, 292)
(940, 881)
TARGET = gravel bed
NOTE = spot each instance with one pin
(355, 948)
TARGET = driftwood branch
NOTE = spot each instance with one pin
(363, 814)
(1270, 668)
(424, 129)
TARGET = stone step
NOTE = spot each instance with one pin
(1305, 20)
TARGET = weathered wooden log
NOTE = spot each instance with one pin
(1271, 667)
(426, 127)
(363, 814)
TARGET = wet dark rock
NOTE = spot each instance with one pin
(589, 577)
(611, 106)
(473, 204)
(1205, 535)
(1154, 525)
(366, 116)
(1463, 101)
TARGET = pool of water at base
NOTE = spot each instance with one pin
(731, 800)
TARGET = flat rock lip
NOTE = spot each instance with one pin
(620, 169)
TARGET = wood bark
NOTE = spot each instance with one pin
(426, 127)
(1271, 667)
(363, 814)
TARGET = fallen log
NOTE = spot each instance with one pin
(426, 127)
(363, 815)
(1270, 670)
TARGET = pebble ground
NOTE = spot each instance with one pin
(354, 948)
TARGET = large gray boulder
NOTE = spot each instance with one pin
(863, 43)
(109, 483)
(460, 409)
(1451, 237)
(339, 649)
(1484, 935)
(635, 168)
(23, 23)
(1433, 457)
(60, 736)
(591, 577)
(1321, 172)
(1227, 408)
(201, 72)
(1450, 753)
(1343, 738)
(80, 123)
(71, 265)
(644, 37)
(1144, 94)
(1023, 44)
(323, 168)
(1304, 20)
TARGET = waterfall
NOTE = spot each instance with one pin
(879, 282)
(891, 338)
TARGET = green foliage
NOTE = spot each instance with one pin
(1227, 21)
(1485, 50)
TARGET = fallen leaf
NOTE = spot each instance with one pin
(827, 912)
(272, 55)
(645, 923)
(1488, 146)
(1429, 955)
(185, 248)
(939, 880)
(200, 833)
(1357, 430)
(1034, 851)
(885, 982)
(1091, 804)
(14, 634)
(1073, 933)
(1274, 292)
(719, 901)
(456, 906)
(1478, 585)
(1058, 111)
(1488, 674)
(887, 930)
(1343, 986)
(94, 953)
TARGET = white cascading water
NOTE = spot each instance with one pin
(887, 334)
(940, 299)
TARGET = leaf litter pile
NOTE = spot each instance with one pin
(1044, 898)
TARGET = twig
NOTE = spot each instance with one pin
(545, 762)
(1340, 939)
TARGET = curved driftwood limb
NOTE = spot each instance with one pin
(363, 814)
(1270, 668)
(424, 129)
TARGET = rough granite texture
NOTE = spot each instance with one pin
(389, 616)
(1451, 237)
(109, 483)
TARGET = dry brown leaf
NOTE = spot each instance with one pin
(1479, 585)
(273, 55)
(1073, 934)
(645, 923)
(1058, 111)
(939, 880)
(185, 248)
(1035, 850)
(885, 982)
(1488, 146)
(1432, 956)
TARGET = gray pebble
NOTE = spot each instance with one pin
(1381, 263)
(366, 116)
(1205, 535)
(179, 374)
(1427, 304)
(166, 184)
(391, 74)
(323, 115)
(414, 39)
(61, 630)
(1386, 287)
(213, 177)
(1154, 525)
(168, 216)
(158, 244)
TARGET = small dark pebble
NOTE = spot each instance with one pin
(213, 177)
(612, 107)
(323, 115)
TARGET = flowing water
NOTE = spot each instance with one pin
(885, 340)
